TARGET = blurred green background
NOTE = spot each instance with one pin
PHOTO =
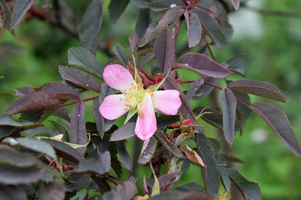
(272, 45)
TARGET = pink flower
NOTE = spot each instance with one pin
(135, 99)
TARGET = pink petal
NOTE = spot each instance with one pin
(167, 101)
(118, 77)
(146, 124)
(113, 106)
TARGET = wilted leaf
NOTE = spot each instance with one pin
(19, 10)
(228, 101)
(248, 189)
(32, 102)
(59, 91)
(124, 132)
(85, 61)
(164, 50)
(185, 108)
(90, 26)
(148, 149)
(194, 29)
(279, 123)
(259, 88)
(168, 144)
(17, 167)
(124, 155)
(116, 9)
(78, 78)
(54, 190)
(192, 155)
(211, 26)
(211, 173)
(204, 65)
(237, 64)
(78, 133)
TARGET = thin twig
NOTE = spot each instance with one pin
(208, 46)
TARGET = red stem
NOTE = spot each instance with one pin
(208, 46)
(71, 103)
(111, 180)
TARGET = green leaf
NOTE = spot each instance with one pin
(90, 26)
(124, 132)
(19, 10)
(210, 173)
(54, 190)
(121, 55)
(259, 88)
(164, 50)
(168, 144)
(279, 123)
(194, 29)
(143, 21)
(18, 168)
(124, 155)
(225, 179)
(78, 78)
(185, 108)
(211, 26)
(116, 8)
(248, 189)
(78, 133)
(228, 101)
(85, 61)
(7, 14)
(140, 3)
(32, 102)
(237, 64)
(6, 94)
(204, 65)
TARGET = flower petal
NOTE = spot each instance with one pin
(118, 77)
(167, 101)
(113, 106)
(146, 124)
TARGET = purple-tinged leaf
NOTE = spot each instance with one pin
(62, 113)
(169, 196)
(19, 10)
(164, 5)
(168, 144)
(121, 55)
(167, 179)
(18, 168)
(213, 117)
(116, 8)
(211, 173)
(134, 39)
(85, 61)
(202, 64)
(6, 120)
(21, 91)
(166, 120)
(277, 120)
(124, 155)
(225, 179)
(248, 189)
(194, 87)
(105, 160)
(236, 4)
(102, 184)
(78, 78)
(32, 102)
(237, 64)
(164, 50)
(155, 27)
(65, 151)
(124, 132)
(211, 26)
(77, 181)
(148, 150)
(7, 193)
(59, 91)
(229, 112)
(90, 26)
(91, 166)
(100, 124)
(7, 14)
(205, 89)
(144, 19)
(147, 58)
(185, 108)
(190, 187)
(54, 190)
(78, 133)
(1, 22)
(140, 3)
(259, 88)
(243, 111)
(126, 190)
(194, 29)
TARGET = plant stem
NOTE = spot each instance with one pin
(208, 46)
(111, 180)
(71, 103)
